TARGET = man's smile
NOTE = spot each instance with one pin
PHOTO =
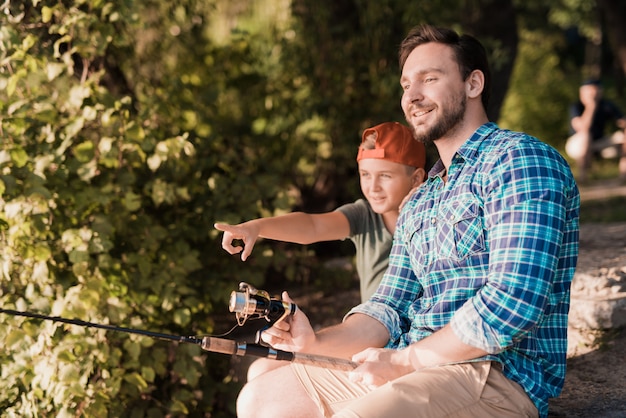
(416, 113)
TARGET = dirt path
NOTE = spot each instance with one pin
(595, 384)
(602, 190)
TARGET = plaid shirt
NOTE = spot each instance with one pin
(493, 252)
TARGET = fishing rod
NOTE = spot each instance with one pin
(247, 303)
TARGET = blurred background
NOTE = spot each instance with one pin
(129, 127)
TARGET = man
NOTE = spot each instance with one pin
(470, 319)
(391, 164)
(590, 117)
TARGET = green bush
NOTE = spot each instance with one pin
(116, 159)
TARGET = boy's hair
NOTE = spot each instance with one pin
(394, 142)
(468, 51)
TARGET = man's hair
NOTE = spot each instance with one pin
(468, 51)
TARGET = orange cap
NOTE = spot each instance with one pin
(394, 142)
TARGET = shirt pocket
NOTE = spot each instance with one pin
(417, 243)
(461, 231)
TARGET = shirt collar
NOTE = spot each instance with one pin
(469, 150)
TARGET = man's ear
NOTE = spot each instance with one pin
(475, 84)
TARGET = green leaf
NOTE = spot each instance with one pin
(84, 151)
(68, 372)
(136, 379)
(71, 130)
(148, 374)
(135, 133)
(41, 252)
(132, 201)
(132, 348)
(19, 157)
(66, 356)
(46, 14)
(53, 70)
(182, 316)
(15, 337)
(178, 406)
(78, 256)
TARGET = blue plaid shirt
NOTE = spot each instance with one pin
(493, 252)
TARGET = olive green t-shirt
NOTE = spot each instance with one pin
(372, 241)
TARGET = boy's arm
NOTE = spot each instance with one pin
(297, 227)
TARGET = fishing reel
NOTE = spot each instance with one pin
(251, 303)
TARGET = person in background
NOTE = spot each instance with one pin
(470, 319)
(391, 163)
(590, 118)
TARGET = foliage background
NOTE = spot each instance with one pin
(129, 127)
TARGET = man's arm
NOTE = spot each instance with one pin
(379, 366)
(356, 333)
(526, 213)
(441, 347)
(297, 227)
(589, 97)
(582, 123)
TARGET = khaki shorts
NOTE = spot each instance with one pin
(476, 389)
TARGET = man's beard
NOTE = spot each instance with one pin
(445, 124)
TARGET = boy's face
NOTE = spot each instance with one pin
(384, 183)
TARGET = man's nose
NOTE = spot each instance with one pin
(413, 94)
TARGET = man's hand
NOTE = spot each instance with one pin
(589, 95)
(294, 333)
(247, 232)
(379, 366)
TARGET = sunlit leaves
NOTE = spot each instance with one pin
(136, 380)
(19, 157)
(13, 338)
(132, 201)
(171, 149)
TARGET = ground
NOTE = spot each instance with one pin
(595, 384)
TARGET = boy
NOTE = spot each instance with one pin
(391, 164)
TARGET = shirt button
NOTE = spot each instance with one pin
(433, 221)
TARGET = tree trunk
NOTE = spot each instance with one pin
(494, 23)
(614, 14)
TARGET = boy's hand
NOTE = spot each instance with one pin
(245, 232)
